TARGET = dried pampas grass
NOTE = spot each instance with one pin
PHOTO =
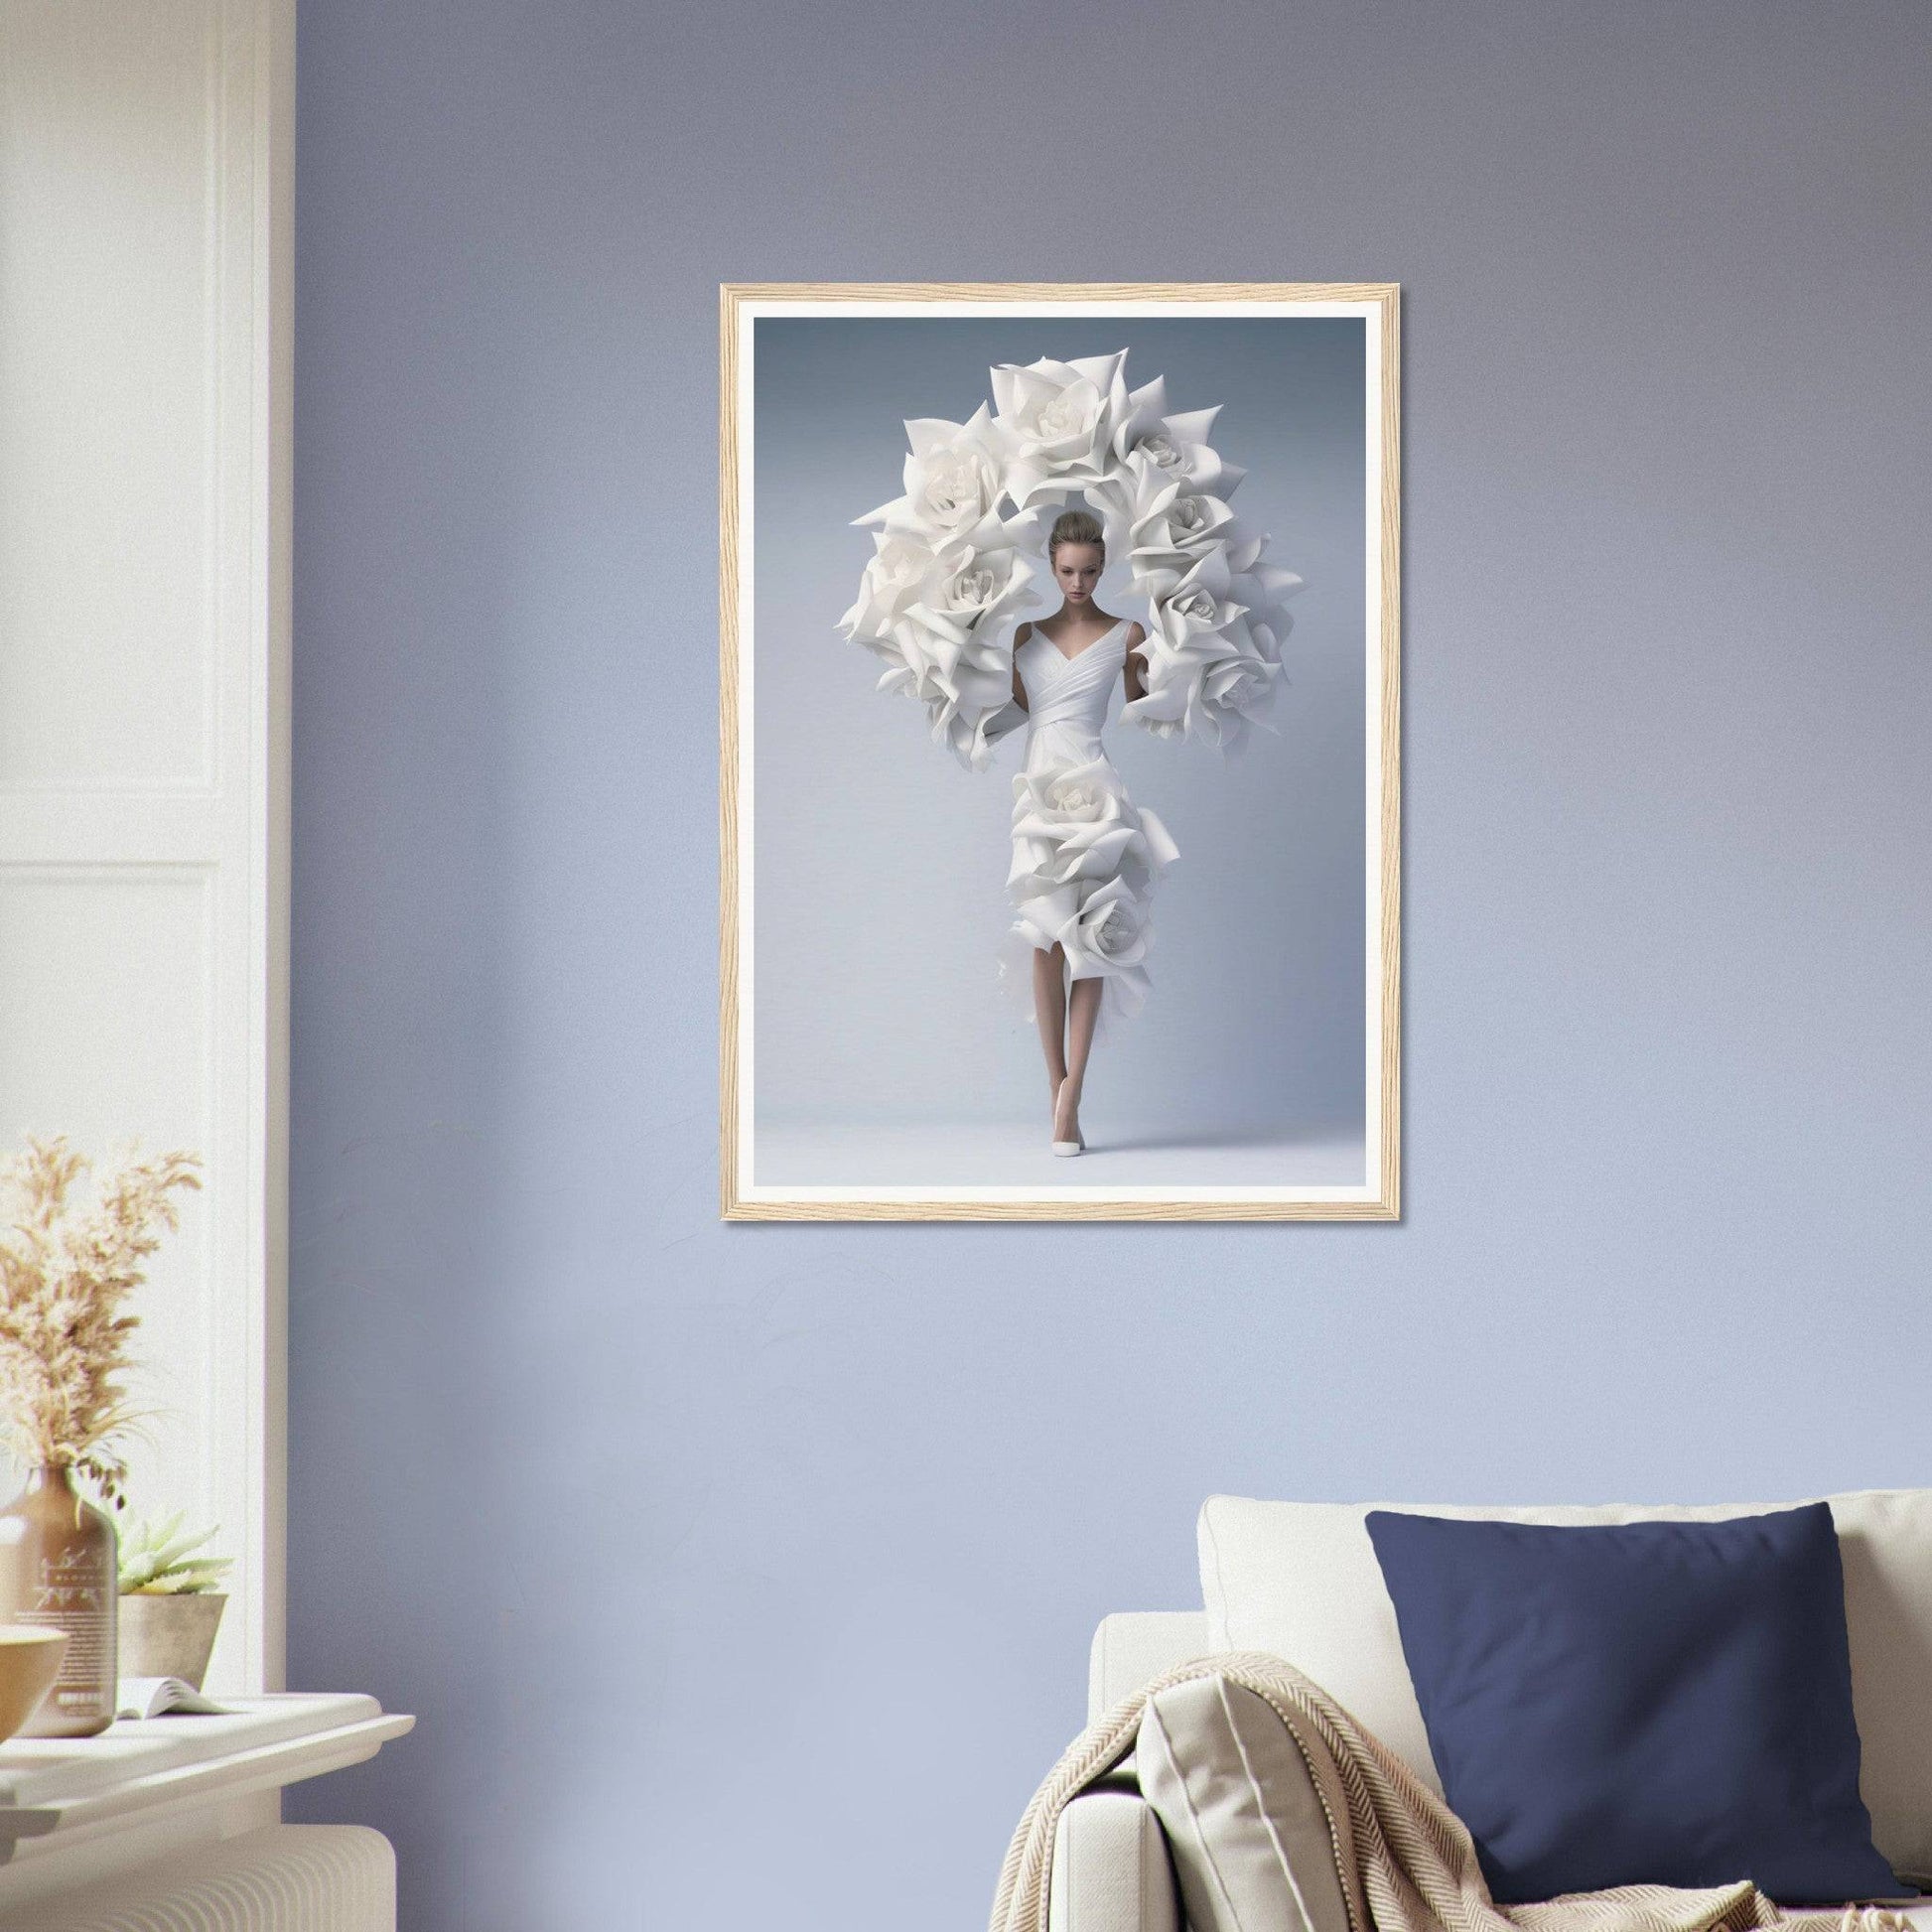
(65, 1273)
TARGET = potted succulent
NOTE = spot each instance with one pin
(171, 1601)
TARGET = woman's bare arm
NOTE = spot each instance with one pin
(1135, 668)
(1020, 637)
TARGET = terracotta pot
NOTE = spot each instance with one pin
(170, 1636)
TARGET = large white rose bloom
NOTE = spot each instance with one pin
(1213, 660)
(1085, 826)
(1108, 938)
(1163, 526)
(1057, 423)
(1174, 444)
(954, 477)
(953, 637)
(887, 587)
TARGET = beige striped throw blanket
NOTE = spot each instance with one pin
(1405, 1861)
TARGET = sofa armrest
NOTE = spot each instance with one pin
(1131, 1648)
(1110, 1868)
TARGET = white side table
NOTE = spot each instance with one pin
(165, 1814)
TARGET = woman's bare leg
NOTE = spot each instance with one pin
(1083, 1011)
(1049, 1011)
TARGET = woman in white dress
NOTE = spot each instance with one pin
(1084, 859)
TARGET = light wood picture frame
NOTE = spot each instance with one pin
(864, 1073)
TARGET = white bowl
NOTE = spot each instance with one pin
(30, 1661)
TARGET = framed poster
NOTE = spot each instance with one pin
(1059, 751)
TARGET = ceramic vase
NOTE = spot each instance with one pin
(58, 1571)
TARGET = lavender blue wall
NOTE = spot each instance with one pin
(676, 1535)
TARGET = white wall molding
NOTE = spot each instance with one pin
(146, 229)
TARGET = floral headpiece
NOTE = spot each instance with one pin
(951, 569)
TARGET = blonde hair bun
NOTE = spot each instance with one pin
(1076, 526)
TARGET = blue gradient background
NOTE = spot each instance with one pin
(743, 1576)
(882, 862)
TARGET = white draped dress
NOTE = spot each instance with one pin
(1084, 858)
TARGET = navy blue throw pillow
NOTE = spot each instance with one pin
(1639, 1703)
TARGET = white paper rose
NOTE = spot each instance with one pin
(1166, 527)
(1083, 823)
(1169, 704)
(1057, 423)
(888, 586)
(1108, 938)
(950, 649)
(1199, 635)
(954, 477)
(1176, 444)
(1190, 608)
(965, 605)
(1237, 692)
(940, 625)
(1213, 690)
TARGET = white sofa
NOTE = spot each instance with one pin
(1300, 1581)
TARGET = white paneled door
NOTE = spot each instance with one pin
(145, 202)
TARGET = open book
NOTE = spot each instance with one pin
(163, 1697)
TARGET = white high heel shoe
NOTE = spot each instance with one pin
(1067, 1149)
